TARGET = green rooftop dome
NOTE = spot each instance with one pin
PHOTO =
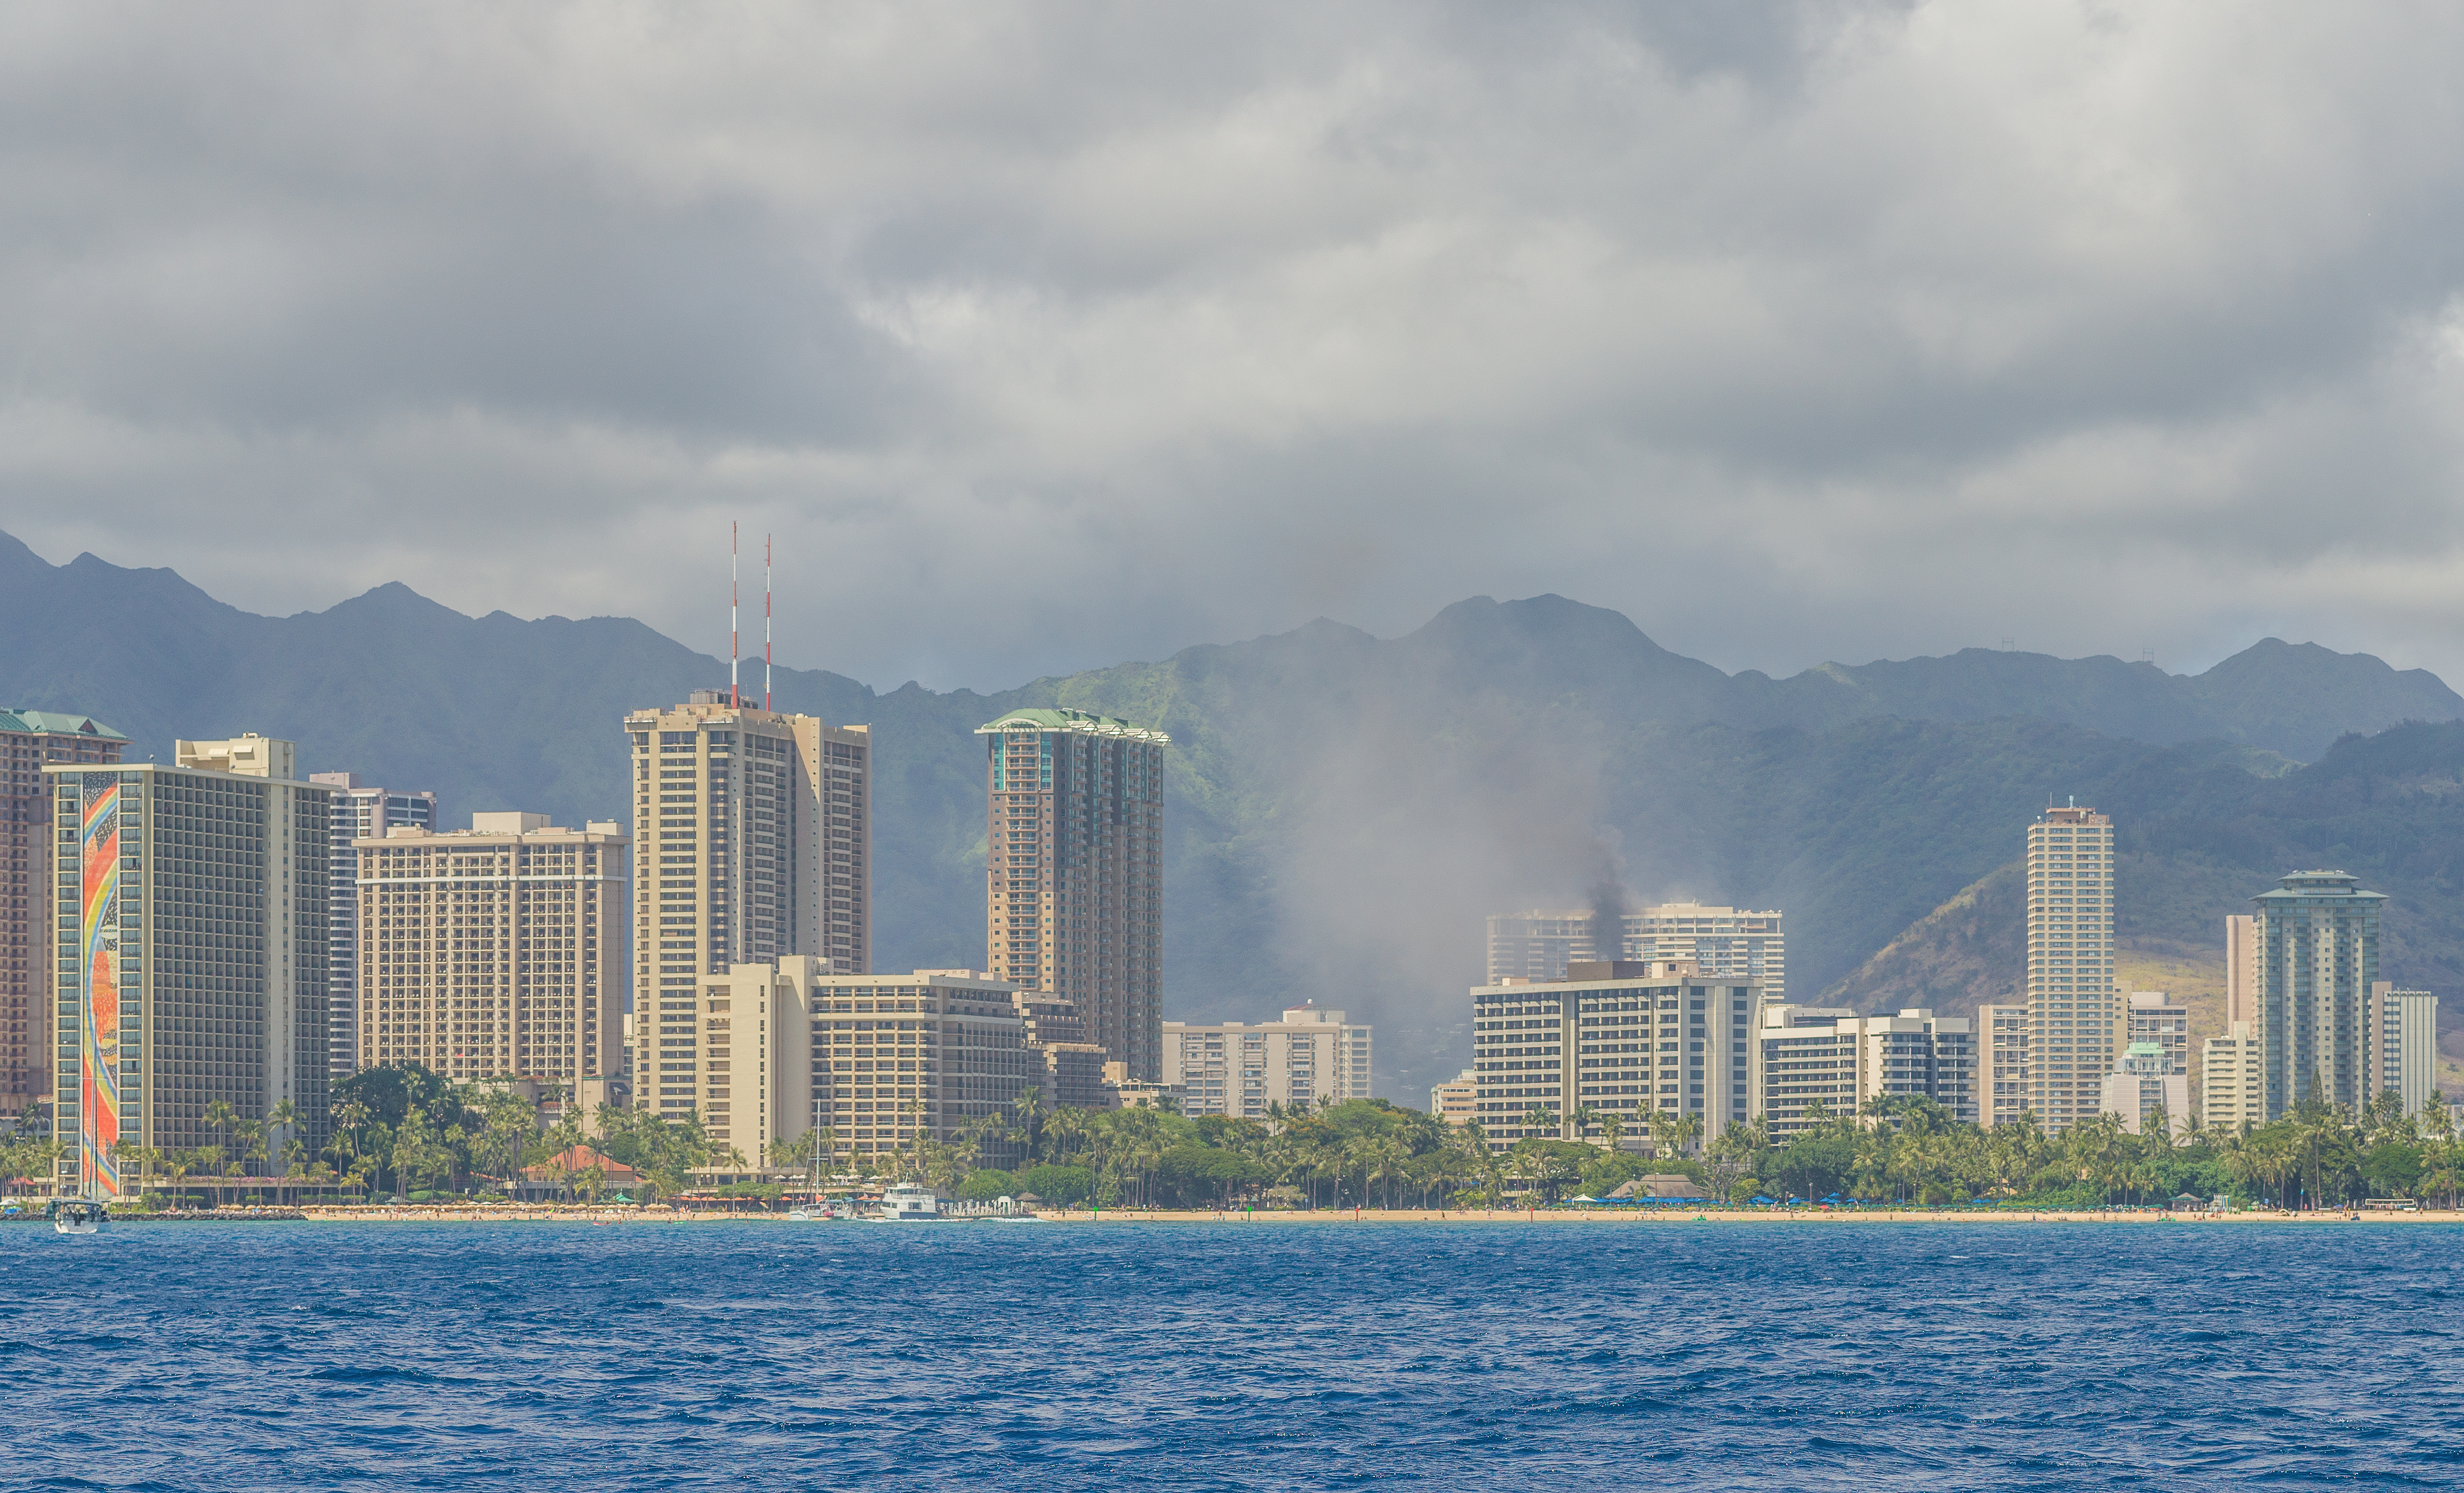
(1072, 720)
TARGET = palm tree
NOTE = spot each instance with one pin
(1538, 1118)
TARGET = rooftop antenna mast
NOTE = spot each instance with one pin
(765, 622)
(734, 701)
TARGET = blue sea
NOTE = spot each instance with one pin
(753, 1355)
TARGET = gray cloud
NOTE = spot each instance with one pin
(1791, 331)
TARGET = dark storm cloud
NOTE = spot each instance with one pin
(1792, 330)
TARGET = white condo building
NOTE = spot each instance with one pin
(1724, 943)
(1616, 1038)
(1229, 1068)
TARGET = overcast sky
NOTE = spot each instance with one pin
(1049, 335)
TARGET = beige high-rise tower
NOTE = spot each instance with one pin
(2074, 1014)
(1074, 872)
(496, 952)
(752, 841)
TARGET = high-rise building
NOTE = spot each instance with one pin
(2241, 967)
(494, 951)
(2232, 1083)
(1074, 872)
(2317, 937)
(29, 741)
(1618, 1038)
(752, 841)
(194, 972)
(1725, 943)
(1073, 1071)
(1831, 1057)
(359, 812)
(2153, 1016)
(1228, 1068)
(2145, 1081)
(2074, 1006)
(766, 1051)
(2002, 1064)
(2405, 1044)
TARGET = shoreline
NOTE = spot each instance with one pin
(1322, 1217)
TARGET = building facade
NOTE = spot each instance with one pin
(1616, 1038)
(1916, 1054)
(1074, 872)
(765, 1052)
(1725, 943)
(2404, 1049)
(1072, 1068)
(358, 811)
(752, 841)
(31, 741)
(1229, 1068)
(1806, 1067)
(2145, 1082)
(194, 972)
(495, 952)
(2317, 962)
(2154, 1016)
(2075, 1020)
(2233, 1080)
(1457, 1100)
(2002, 1062)
(1814, 1064)
(2241, 968)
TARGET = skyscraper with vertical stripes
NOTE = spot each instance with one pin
(2074, 1013)
(1074, 872)
(752, 841)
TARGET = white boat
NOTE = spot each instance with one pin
(79, 1216)
(909, 1203)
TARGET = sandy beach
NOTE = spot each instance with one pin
(1327, 1218)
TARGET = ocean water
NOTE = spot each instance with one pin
(1541, 1356)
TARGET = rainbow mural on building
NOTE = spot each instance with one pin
(99, 1098)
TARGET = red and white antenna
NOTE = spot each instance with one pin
(734, 701)
(765, 622)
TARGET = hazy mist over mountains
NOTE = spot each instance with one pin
(1344, 809)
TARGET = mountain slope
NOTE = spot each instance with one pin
(1342, 809)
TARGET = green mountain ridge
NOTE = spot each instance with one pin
(1343, 810)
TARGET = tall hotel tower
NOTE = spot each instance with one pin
(194, 970)
(752, 841)
(359, 812)
(493, 952)
(29, 741)
(1073, 871)
(2074, 1013)
(2317, 958)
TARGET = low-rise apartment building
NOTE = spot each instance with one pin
(1810, 1056)
(768, 1051)
(1229, 1068)
(1622, 1038)
(2232, 1081)
(1457, 1100)
(2002, 1062)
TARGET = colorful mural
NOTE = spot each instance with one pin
(98, 1101)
